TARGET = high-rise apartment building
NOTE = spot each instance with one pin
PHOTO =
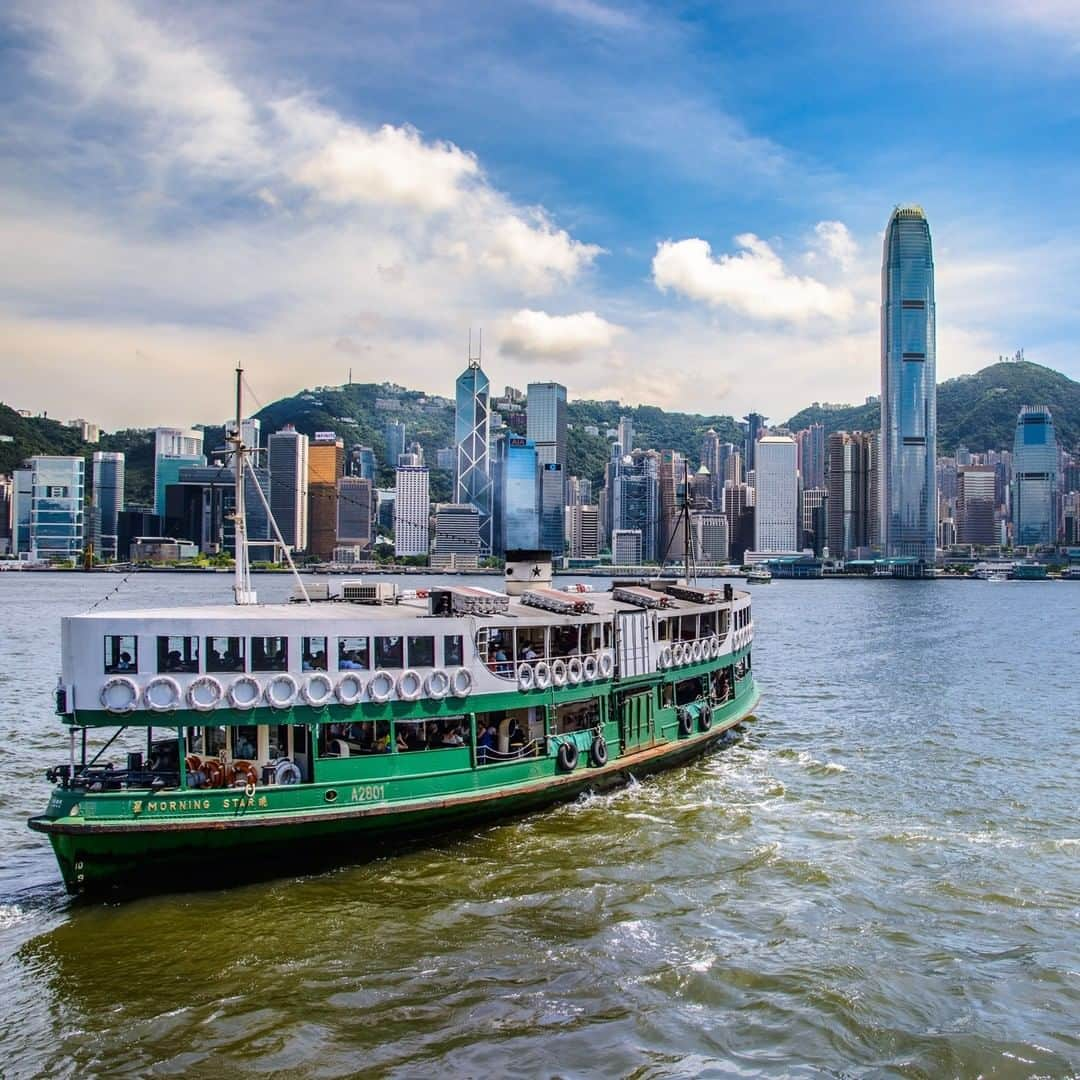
(776, 501)
(813, 510)
(673, 494)
(975, 505)
(106, 502)
(471, 438)
(174, 449)
(908, 389)
(1035, 478)
(545, 415)
(848, 473)
(7, 492)
(326, 465)
(288, 459)
(412, 508)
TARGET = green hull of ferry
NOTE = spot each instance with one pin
(133, 841)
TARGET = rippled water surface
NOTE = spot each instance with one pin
(881, 878)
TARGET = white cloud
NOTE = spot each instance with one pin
(836, 243)
(531, 334)
(754, 282)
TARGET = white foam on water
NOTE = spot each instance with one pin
(11, 915)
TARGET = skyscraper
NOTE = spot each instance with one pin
(626, 434)
(545, 417)
(394, 434)
(755, 424)
(457, 536)
(411, 510)
(519, 496)
(552, 508)
(174, 449)
(48, 507)
(849, 510)
(326, 465)
(776, 509)
(975, 504)
(355, 512)
(908, 389)
(811, 442)
(288, 459)
(471, 435)
(635, 499)
(106, 501)
(1035, 478)
(583, 531)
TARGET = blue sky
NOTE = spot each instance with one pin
(674, 204)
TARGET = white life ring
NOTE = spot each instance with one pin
(543, 675)
(350, 689)
(244, 693)
(381, 686)
(195, 697)
(591, 668)
(714, 646)
(665, 657)
(526, 676)
(461, 683)
(409, 685)
(677, 653)
(575, 671)
(697, 651)
(437, 684)
(162, 693)
(281, 691)
(558, 672)
(607, 665)
(119, 695)
(318, 690)
(287, 772)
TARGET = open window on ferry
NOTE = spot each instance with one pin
(313, 653)
(590, 637)
(663, 628)
(353, 654)
(708, 623)
(565, 640)
(178, 654)
(421, 651)
(445, 733)
(577, 716)
(531, 642)
(688, 690)
(608, 635)
(509, 734)
(245, 742)
(725, 622)
(389, 652)
(722, 683)
(688, 628)
(453, 651)
(121, 653)
(269, 653)
(224, 654)
(349, 740)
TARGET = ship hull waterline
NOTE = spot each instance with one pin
(137, 858)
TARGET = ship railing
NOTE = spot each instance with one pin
(490, 756)
(510, 669)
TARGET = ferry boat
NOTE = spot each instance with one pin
(759, 575)
(268, 737)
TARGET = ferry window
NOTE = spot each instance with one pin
(688, 628)
(224, 654)
(667, 695)
(245, 742)
(662, 629)
(269, 653)
(121, 653)
(279, 741)
(590, 637)
(389, 652)
(313, 652)
(607, 635)
(215, 741)
(530, 643)
(500, 652)
(725, 619)
(347, 740)
(195, 740)
(352, 654)
(580, 716)
(708, 623)
(452, 651)
(421, 652)
(564, 641)
(178, 654)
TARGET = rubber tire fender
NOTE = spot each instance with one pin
(598, 754)
(705, 717)
(567, 757)
(686, 722)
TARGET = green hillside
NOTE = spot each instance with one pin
(977, 411)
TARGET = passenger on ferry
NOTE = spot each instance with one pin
(517, 739)
(124, 663)
(244, 748)
(485, 744)
(382, 738)
(453, 738)
(530, 653)
(174, 661)
(349, 662)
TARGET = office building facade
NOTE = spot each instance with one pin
(711, 538)
(288, 459)
(472, 417)
(552, 509)
(975, 505)
(355, 512)
(545, 418)
(907, 484)
(626, 547)
(106, 502)
(326, 466)
(412, 508)
(519, 495)
(174, 449)
(456, 544)
(850, 511)
(776, 495)
(583, 531)
(1035, 479)
(47, 510)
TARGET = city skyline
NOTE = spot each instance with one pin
(711, 204)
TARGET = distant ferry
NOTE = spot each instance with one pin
(993, 571)
(759, 575)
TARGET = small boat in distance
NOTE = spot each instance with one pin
(759, 575)
(255, 740)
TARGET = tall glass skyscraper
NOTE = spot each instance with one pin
(907, 485)
(106, 502)
(519, 496)
(1035, 478)
(471, 436)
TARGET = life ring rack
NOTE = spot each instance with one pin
(526, 676)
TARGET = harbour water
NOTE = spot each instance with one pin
(881, 878)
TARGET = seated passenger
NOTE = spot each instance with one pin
(517, 739)
(453, 738)
(382, 739)
(347, 662)
(244, 748)
(318, 662)
(402, 740)
(174, 661)
(124, 663)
